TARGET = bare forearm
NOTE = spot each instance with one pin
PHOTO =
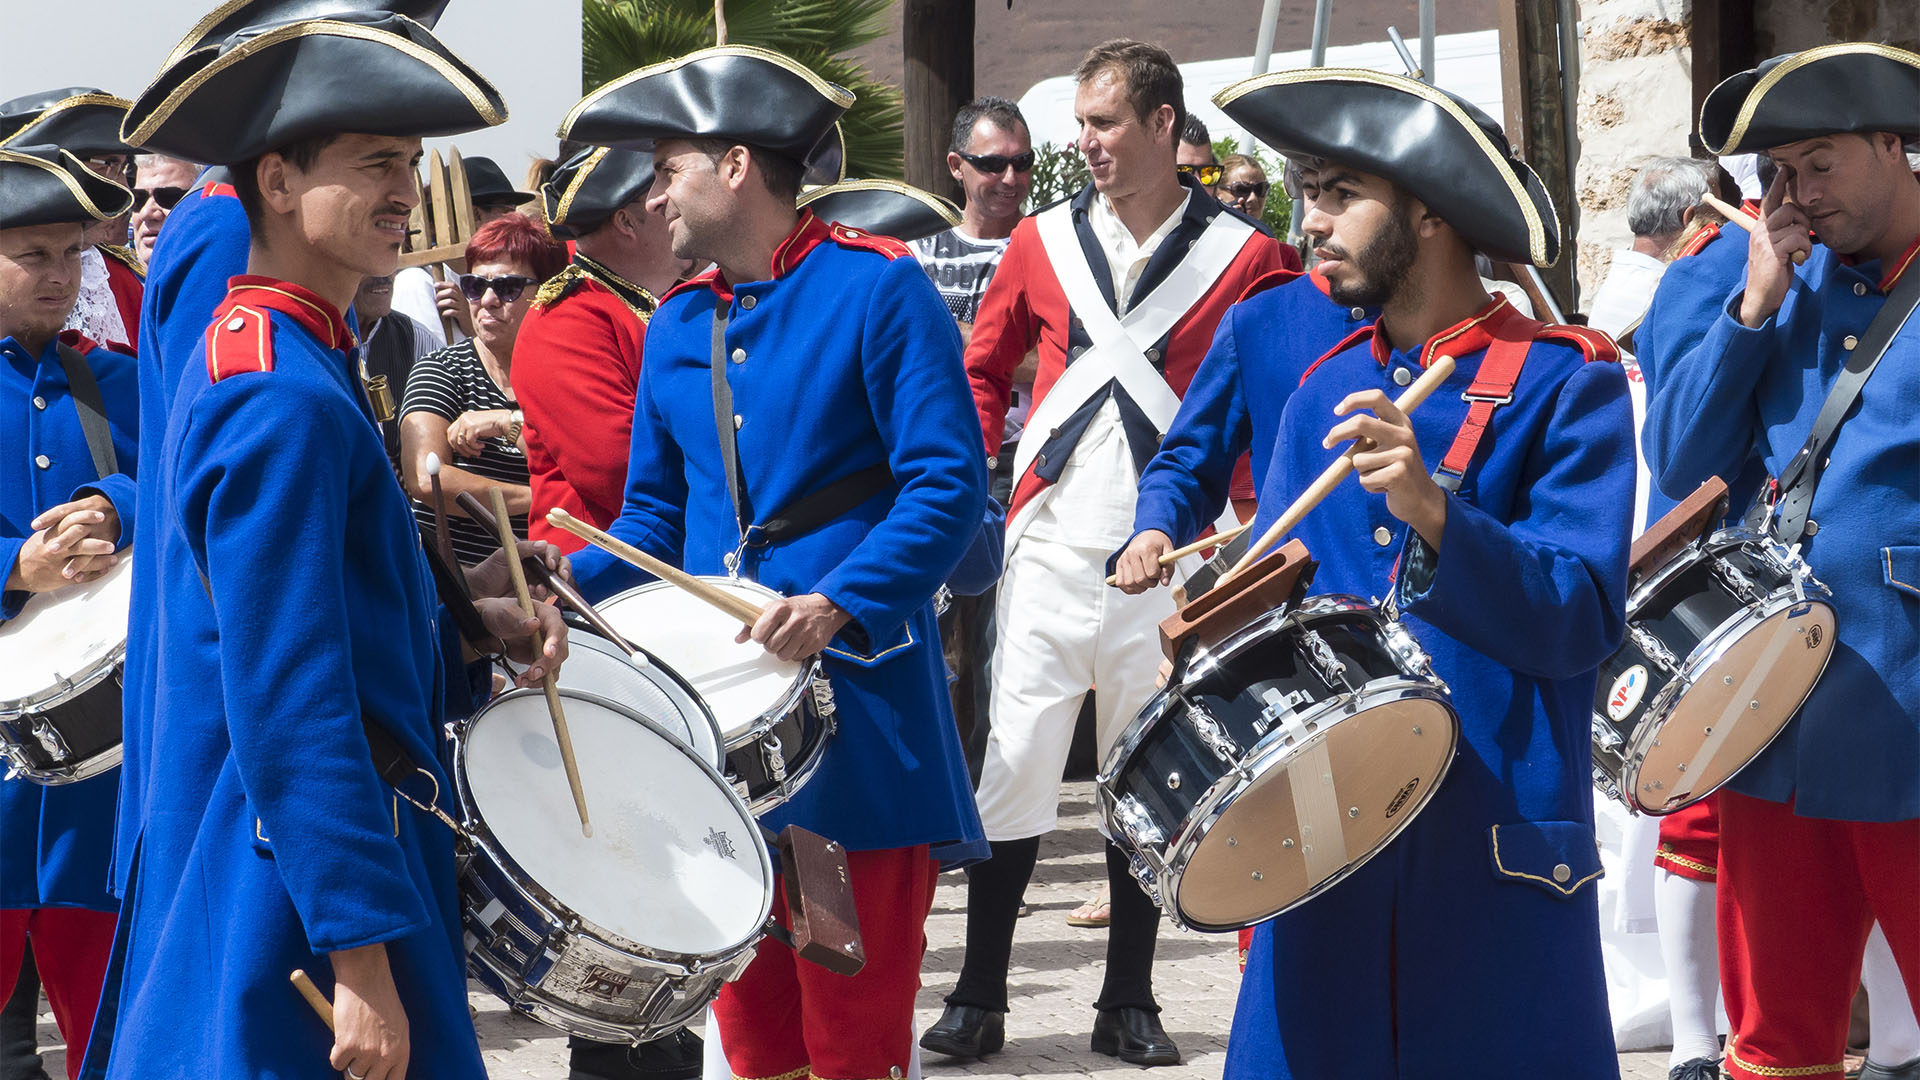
(454, 480)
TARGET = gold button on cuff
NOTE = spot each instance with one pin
(1383, 536)
(1562, 873)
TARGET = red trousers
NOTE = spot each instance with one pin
(1797, 898)
(70, 948)
(785, 1018)
(1690, 841)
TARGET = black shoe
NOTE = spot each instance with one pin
(679, 1056)
(966, 1031)
(1876, 1071)
(1134, 1036)
(1696, 1069)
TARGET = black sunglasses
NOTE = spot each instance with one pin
(508, 288)
(167, 197)
(995, 164)
(1241, 189)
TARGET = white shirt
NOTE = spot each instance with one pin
(1627, 290)
(414, 297)
(1092, 503)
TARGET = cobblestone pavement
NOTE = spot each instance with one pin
(1056, 976)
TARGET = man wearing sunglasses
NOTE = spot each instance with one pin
(159, 182)
(1194, 156)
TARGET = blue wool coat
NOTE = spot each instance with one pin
(845, 359)
(56, 843)
(1852, 753)
(298, 603)
(1264, 343)
(1462, 926)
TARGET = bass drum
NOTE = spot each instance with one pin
(1277, 762)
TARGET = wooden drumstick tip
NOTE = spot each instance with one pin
(318, 1001)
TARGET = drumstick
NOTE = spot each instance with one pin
(553, 581)
(1202, 544)
(504, 525)
(1435, 374)
(1737, 215)
(739, 607)
(315, 998)
(442, 528)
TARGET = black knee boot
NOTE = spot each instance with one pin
(1130, 939)
(994, 891)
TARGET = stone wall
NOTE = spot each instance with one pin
(1787, 25)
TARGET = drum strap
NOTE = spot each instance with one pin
(804, 515)
(1492, 388)
(1802, 474)
(92, 409)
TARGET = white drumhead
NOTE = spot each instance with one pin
(64, 634)
(738, 682)
(675, 861)
(599, 667)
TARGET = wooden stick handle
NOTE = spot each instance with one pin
(739, 607)
(321, 1006)
(1429, 381)
(1218, 539)
(504, 525)
(551, 580)
(1735, 214)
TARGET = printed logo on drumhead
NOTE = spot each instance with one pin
(1401, 797)
(1814, 636)
(1627, 691)
(719, 842)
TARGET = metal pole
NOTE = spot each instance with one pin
(1406, 58)
(1569, 102)
(1322, 10)
(1262, 55)
(1426, 39)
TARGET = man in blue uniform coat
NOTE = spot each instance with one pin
(302, 625)
(843, 370)
(1508, 564)
(66, 507)
(1820, 835)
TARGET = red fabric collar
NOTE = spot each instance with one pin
(1468, 336)
(1891, 276)
(808, 233)
(318, 317)
(1321, 283)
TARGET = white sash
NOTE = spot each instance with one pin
(1119, 343)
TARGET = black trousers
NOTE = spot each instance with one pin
(994, 890)
(19, 1026)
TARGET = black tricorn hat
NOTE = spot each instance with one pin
(1854, 86)
(487, 185)
(588, 187)
(235, 15)
(77, 118)
(1441, 149)
(267, 86)
(886, 207)
(751, 96)
(46, 185)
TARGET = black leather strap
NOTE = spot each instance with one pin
(1802, 475)
(723, 421)
(92, 408)
(451, 585)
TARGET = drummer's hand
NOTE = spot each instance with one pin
(370, 1025)
(517, 636)
(796, 627)
(1774, 244)
(1138, 568)
(72, 545)
(1391, 465)
(491, 576)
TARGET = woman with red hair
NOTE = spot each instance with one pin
(459, 403)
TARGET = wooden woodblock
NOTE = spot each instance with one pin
(820, 907)
(1276, 579)
(1678, 527)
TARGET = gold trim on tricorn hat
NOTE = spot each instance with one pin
(78, 118)
(47, 185)
(236, 15)
(1440, 148)
(1853, 86)
(885, 207)
(586, 189)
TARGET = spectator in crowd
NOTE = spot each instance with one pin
(1243, 185)
(1666, 192)
(390, 343)
(459, 403)
(159, 182)
(991, 156)
(429, 302)
(1194, 154)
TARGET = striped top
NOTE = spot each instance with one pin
(447, 383)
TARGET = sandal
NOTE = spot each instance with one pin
(1096, 912)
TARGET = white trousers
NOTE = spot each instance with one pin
(1062, 631)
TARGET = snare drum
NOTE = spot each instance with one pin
(774, 715)
(1724, 643)
(60, 661)
(627, 935)
(1277, 762)
(652, 689)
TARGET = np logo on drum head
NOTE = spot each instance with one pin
(1627, 692)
